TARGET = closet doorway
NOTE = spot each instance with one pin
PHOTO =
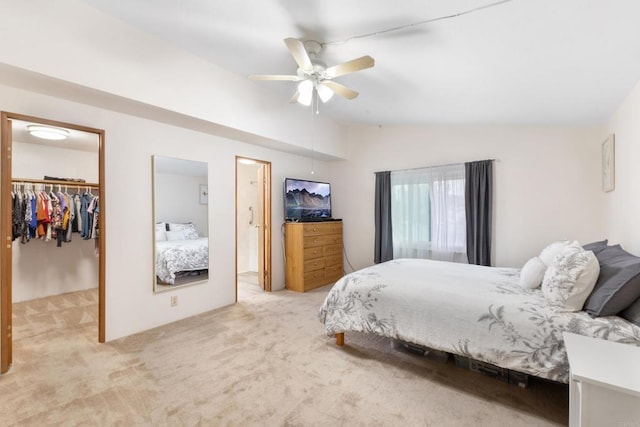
(253, 226)
(20, 155)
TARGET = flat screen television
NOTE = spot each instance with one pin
(306, 200)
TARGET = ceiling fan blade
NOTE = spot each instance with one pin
(349, 67)
(299, 53)
(341, 90)
(274, 77)
(295, 97)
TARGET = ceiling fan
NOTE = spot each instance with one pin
(314, 75)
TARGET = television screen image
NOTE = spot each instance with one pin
(306, 200)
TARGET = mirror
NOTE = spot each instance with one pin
(180, 216)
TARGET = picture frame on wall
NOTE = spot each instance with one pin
(608, 164)
(204, 194)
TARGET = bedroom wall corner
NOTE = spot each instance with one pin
(622, 205)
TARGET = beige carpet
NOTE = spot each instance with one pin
(264, 361)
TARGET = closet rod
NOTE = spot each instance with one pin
(54, 182)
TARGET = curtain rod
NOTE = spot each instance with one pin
(437, 166)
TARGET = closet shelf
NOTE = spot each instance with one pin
(54, 182)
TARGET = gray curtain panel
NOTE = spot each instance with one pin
(478, 205)
(384, 242)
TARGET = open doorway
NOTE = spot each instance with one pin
(253, 227)
(49, 169)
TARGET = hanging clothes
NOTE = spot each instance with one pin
(53, 215)
(33, 223)
(85, 231)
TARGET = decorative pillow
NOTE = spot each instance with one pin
(570, 278)
(176, 235)
(532, 273)
(618, 285)
(596, 247)
(632, 313)
(553, 249)
(189, 229)
(161, 228)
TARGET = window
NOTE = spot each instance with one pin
(428, 213)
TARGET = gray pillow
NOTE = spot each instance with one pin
(618, 284)
(596, 247)
(632, 313)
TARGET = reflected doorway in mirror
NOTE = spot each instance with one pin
(204, 194)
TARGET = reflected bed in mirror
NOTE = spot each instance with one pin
(181, 241)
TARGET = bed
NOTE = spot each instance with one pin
(482, 313)
(174, 257)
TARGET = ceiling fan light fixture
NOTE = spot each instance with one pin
(48, 132)
(305, 89)
(324, 92)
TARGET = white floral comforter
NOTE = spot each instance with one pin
(173, 256)
(473, 311)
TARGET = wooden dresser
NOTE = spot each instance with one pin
(313, 252)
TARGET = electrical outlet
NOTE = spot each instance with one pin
(174, 300)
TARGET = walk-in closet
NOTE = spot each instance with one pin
(54, 280)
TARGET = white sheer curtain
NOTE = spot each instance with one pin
(428, 213)
(410, 214)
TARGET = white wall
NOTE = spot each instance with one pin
(37, 160)
(177, 199)
(622, 206)
(546, 181)
(130, 142)
(41, 268)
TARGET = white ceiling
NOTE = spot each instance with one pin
(521, 62)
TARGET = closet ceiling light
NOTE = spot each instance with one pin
(48, 132)
(247, 161)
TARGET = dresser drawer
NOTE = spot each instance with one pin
(333, 273)
(313, 241)
(314, 264)
(333, 227)
(313, 277)
(333, 239)
(330, 260)
(332, 249)
(314, 252)
(315, 229)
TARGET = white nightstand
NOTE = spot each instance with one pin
(604, 387)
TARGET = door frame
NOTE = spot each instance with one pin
(6, 275)
(265, 219)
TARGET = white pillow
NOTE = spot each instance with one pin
(532, 273)
(570, 278)
(553, 249)
(161, 229)
(176, 235)
(189, 229)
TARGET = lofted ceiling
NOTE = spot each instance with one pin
(518, 62)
